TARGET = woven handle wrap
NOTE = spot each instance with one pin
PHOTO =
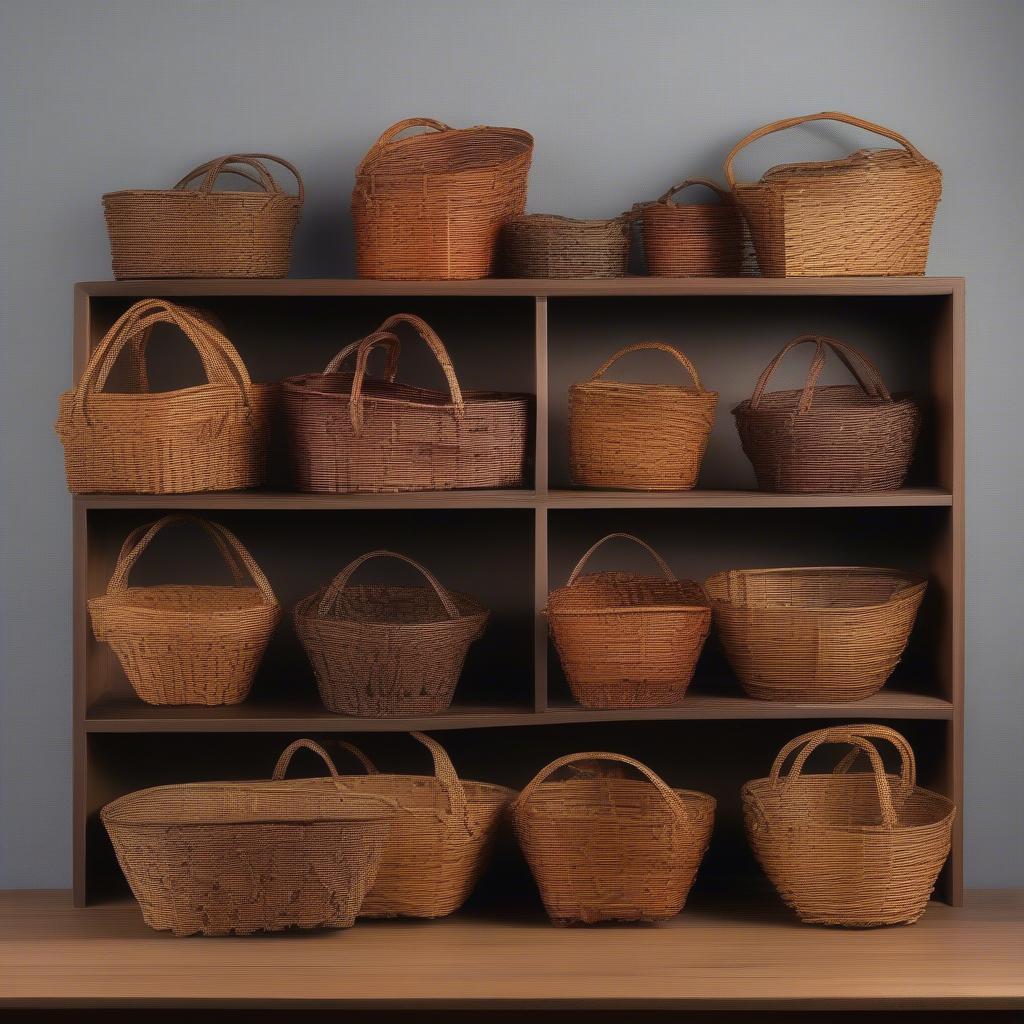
(722, 193)
(238, 574)
(662, 564)
(651, 346)
(212, 169)
(285, 760)
(387, 341)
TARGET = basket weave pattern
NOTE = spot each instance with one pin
(542, 245)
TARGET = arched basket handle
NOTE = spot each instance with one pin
(651, 346)
(662, 564)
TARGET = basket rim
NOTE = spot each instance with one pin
(563, 221)
(667, 389)
(705, 800)
(153, 193)
(297, 385)
(301, 606)
(899, 398)
(114, 602)
(631, 608)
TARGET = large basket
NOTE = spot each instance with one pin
(348, 432)
(626, 640)
(645, 437)
(870, 213)
(431, 206)
(847, 438)
(186, 232)
(603, 848)
(543, 245)
(818, 634)
(854, 849)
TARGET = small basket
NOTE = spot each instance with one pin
(543, 245)
(855, 849)
(847, 438)
(611, 849)
(626, 640)
(183, 232)
(817, 634)
(642, 437)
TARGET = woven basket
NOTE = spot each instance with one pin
(645, 437)
(821, 634)
(543, 245)
(348, 433)
(441, 837)
(603, 848)
(626, 640)
(183, 232)
(870, 213)
(847, 438)
(431, 206)
(860, 849)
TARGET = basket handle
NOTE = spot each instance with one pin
(392, 133)
(230, 558)
(285, 760)
(212, 169)
(651, 346)
(446, 774)
(722, 193)
(387, 340)
(662, 564)
(825, 115)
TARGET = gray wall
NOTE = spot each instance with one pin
(623, 98)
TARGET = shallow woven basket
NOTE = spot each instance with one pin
(183, 232)
(845, 438)
(821, 634)
(603, 848)
(544, 245)
(431, 206)
(860, 849)
(350, 433)
(646, 437)
(626, 640)
(870, 213)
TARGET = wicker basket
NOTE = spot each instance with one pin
(846, 438)
(645, 437)
(603, 848)
(348, 433)
(821, 634)
(626, 640)
(854, 849)
(431, 206)
(183, 232)
(869, 214)
(543, 245)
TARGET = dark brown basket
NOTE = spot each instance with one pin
(543, 245)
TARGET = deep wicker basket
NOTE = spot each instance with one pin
(543, 245)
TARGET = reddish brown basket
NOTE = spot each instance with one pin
(544, 245)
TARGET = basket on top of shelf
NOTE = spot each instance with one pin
(628, 640)
(197, 232)
(545, 245)
(856, 849)
(431, 206)
(868, 214)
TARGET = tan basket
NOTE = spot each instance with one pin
(644, 437)
(349, 433)
(611, 849)
(183, 232)
(818, 634)
(626, 640)
(546, 246)
(859, 850)
(870, 213)
(846, 438)
(431, 206)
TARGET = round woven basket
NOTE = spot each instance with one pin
(854, 849)
(544, 245)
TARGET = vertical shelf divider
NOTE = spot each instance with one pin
(540, 520)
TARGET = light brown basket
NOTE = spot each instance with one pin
(431, 206)
(183, 232)
(547, 246)
(870, 213)
(611, 849)
(646, 437)
(821, 634)
(859, 850)
(626, 640)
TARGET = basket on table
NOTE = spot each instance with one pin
(197, 232)
(544, 245)
(815, 440)
(431, 206)
(868, 214)
(856, 849)
(606, 848)
(821, 634)
(649, 437)
(627, 640)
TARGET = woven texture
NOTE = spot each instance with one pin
(603, 848)
(870, 213)
(542, 245)
(821, 634)
(431, 206)
(626, 640)
(845, 438)
(855, 849)
(196, 232)
(646, 437)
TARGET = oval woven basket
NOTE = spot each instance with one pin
(821, 634)
(627, 640)
(544, 245)
(854, 849)
(645, 437)
(842, 438)
(197, 232)
(868, 214)
(431, 206)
